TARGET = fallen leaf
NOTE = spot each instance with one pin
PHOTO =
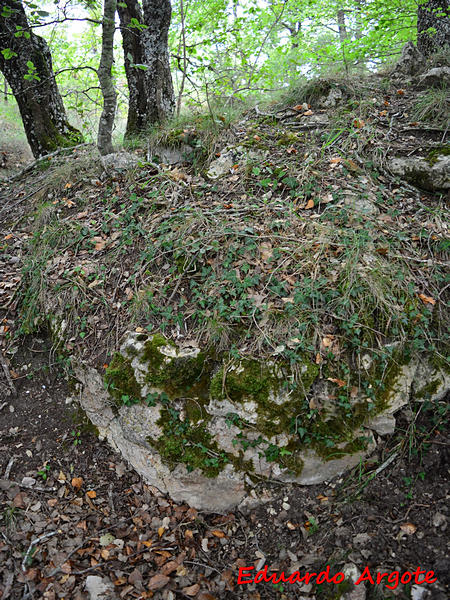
(161, 531)
(358, 123)
(400, 92)
(308, 113)
(266, 251)
(157, 582)
(327, 342)
(91, 494)
(191, 590)
(205, 596)
(77, 482)
(218, 533)
(340, 382)
(309, 204)
(427, 299)
(408, 528)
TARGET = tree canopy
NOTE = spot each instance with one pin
(222, 51)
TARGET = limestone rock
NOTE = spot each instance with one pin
(221, 166)
(431, 382)
(172, 156)
(437, 77)
(411, 61)
(419, 172)
(119, 161)
(95, 400)
(383, 424)
(315, 470)
(334, 97)
(99, 588)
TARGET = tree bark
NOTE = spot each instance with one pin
(26, 64)
(343, 35)
(104, 138)
(151, 95)
(433, 14)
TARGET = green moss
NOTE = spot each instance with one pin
(427, 390)
(438, 153)
(184, 442)
(175, 375)
(120, 379)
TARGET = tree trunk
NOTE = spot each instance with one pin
(342, 27)
(433, 14)
(151, 95)
(104, 139)
(26, 63)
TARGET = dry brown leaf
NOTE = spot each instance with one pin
(340, 382)
(427, 299)
(91, 494)
(308, 113)
(65, 567)
(358, 123)
(408, 528)
(191, 590)
(161, 531)
(309, 204)
(158, 581)
(218, 533)
(77, 482)
(205, 596)
(327, 341)
(266, 251)
(169, 567)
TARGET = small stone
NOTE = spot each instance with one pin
(28, 481)
(440, 520)
(418, 592)
(99, 588)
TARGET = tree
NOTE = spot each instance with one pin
(104, 139)
(145, 44)
(433, 26)
(26, 64)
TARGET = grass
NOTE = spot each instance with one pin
(271, 262)
(433, 107)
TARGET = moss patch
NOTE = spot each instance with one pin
(120, 379)
(187, 443)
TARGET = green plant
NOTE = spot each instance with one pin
(44, 472)
(76, 437)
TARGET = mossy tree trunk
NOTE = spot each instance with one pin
(433, 26)
(104, 138)
(145, 44)
(26, 64)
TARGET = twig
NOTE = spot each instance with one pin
(9, 467)
(41, 158)
(7, 374)
(385, 464)
(34, 543)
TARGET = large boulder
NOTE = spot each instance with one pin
(205, 428)
(431, 174)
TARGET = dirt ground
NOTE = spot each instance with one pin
(71, 508)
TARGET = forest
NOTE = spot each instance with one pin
(224, 293)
